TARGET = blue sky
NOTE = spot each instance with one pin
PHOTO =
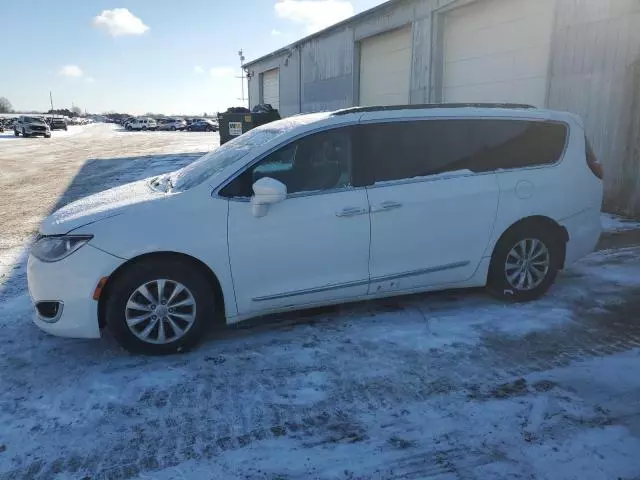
(138, 56)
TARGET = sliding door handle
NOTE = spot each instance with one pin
(388, 205)
(351, 211)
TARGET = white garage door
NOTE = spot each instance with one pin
(271, 88)
(385, 68)
(498, 51)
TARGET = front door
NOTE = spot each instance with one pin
(313, 247)
(431, 215)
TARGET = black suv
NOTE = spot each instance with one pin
(57, 123)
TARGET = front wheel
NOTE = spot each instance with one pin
(160, 307)
(16, 133)
(524, 264)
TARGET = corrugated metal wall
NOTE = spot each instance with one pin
(595, 53)
(327, 72)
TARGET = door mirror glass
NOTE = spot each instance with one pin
(267, 191)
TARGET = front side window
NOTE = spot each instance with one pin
(317, 162)
(402, 150)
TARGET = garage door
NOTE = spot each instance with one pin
(498, 51)
(385, 68)
(271, 88)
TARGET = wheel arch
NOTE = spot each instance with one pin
(539, 221)
(182, 257)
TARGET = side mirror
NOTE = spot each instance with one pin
(267, 191)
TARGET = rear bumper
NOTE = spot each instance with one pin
(584, 232)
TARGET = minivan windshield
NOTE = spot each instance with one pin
(220, 158)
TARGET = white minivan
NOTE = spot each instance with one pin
(142, 124)
(322, 209)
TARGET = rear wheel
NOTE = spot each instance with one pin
(16, 133)
(160, 307)
(525, 264)
(24, 134)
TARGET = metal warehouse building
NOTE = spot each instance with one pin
(577, 55)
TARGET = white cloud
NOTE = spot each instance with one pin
(314, 15)
(120, 21)
(71, 71)
(198, 69)
(275, 32)
(221, 72)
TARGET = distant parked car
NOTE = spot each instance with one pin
(142, 124)
(57, 124)
(172, 124)
(31, 126)
(203, 125)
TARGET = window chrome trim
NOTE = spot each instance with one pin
(357, 283)
(431, 178)
(241, 170)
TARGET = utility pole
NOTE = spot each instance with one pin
(51, 101)
(242, 77)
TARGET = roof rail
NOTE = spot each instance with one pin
(421, 106)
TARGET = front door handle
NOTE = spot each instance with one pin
(388, 205)
(351, 211)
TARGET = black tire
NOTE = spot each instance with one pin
(47, 136)
(498, 284)
(146, 271)
(16, 133)
(173, 129)
(24, 134)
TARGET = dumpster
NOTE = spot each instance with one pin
(238, 120)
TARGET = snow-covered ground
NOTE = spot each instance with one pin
(615, 223)
(440, 386)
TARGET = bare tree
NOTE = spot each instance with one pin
(5, 105)
(77, 111)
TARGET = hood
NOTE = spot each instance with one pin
(97, 207)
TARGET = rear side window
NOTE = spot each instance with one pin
(401, 150)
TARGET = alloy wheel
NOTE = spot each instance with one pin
(527, 264)
(160, 311)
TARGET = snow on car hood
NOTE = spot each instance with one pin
(98, 207)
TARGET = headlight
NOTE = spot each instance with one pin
(52, 249)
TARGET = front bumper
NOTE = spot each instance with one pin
(44, 133)
(71, 282)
